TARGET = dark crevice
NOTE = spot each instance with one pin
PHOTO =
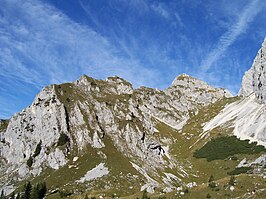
(67, 118)
(102, 130)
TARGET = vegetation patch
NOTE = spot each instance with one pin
(65, 193)
(63, 139)
(30, 161)
(239, 170)
(223, 147)
(3, 125)
(31, 192)
(38, 149)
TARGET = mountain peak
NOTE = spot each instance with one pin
(185, 78)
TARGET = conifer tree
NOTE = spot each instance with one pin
(86, 196)
(18, 196)
(232, 181)
(145, 195)
(12, 195)
(27, 191)
(2, 195)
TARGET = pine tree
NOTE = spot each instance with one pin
(2, 194)
(18, 196)
(211, 179)
(232, 181)
(42, 189)
(12, 196)
(145, 195)
(27, 191)
(34, 193)
(86, 196)
(211, 183)
(39, 191)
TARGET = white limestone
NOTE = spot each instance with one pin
(247, 117)
(254, 80)
(97, 172)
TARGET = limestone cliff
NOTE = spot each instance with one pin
(254, 80)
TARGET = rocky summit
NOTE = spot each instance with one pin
(104, 139)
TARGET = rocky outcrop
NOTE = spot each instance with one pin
(173, 105)
(247, 115)
(254, 80)
(75, 116)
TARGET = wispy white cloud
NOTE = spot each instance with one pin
(234, 31)
(139, 48)
(40, 45)
(161, 9)
(43, 46)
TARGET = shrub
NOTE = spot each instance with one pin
(63, 139)
(145, 194)
(86, 196)
(232, 181)
(12, 195)
(27, 191)
(217, 189)
(212, 184)
(33, 192)
(211, 179)
(18, 196)
(41, 189)
(38, 149)
(2, 194)
(239, 170)
(65, 193)
(30, 161)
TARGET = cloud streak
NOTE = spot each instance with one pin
(146, 42)
(234, 31)
(39, 45)
(160, 9)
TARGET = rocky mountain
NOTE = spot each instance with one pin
(254, 79)
(106, 139)
(247, 115)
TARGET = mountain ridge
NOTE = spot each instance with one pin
(107, 137)
(63, 110)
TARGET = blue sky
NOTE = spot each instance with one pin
(147, 42)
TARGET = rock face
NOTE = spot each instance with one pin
(254, 80)
(247, 115)
(74, 116)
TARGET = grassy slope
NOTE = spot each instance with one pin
(185, 142)
(122, 180)
(200, 170)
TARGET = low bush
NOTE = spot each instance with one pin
(65, 193)
(63, 139)
(30, 161)
(38, 149)
(239, 170)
